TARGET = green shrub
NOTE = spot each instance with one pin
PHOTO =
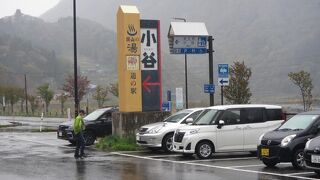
(115, 143)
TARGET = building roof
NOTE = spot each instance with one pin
(187, 29)
(129, 9)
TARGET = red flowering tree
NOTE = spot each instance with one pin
(83, 86)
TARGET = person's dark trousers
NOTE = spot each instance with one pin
(80, 145)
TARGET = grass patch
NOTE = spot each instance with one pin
(115, 143)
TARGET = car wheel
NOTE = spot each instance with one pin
(89, 138)
(73, 143)
(167, 143)
(269, 163)
(298, 160)
(204, 150)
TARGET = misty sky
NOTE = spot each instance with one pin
(30, 7)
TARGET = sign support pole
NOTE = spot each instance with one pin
(186, 77)
(210, 52)
(221, 95)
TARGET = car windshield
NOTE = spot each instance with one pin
(298, 122)
(206, 117)
(177, 116)
(94, 115)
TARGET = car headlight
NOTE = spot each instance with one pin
(192, 131)
(308, 144)
(154, 130)
(285, 141)
(260, 138)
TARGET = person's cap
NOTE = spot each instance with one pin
(82, 111)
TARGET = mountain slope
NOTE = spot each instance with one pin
(96, 48)
(272, 37)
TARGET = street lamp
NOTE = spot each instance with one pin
(76, 101)
(185, 66)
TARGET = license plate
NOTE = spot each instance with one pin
(264, 152)
(315, 159)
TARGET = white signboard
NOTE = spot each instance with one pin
(179, 98)
(189, 42)
(149, 49)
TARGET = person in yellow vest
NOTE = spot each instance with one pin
(78, 128)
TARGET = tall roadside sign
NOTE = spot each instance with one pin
(223, 77)
(150, 63)
(128, 45)
(223, 74)
(192, 38)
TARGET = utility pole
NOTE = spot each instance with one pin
(76, 100)
(25, 92)
(211, 75)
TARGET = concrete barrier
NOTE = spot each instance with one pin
(126, 124)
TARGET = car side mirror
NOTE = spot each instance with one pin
(220, 123)
(189, 120)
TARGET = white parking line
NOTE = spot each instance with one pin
(213, 166)
(226, 159)
(254, 165)
(302, 173)
(163, 156)
(245, 166)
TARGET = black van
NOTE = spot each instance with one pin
(286, 143)
(98, 124)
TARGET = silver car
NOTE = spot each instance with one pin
(159, 135)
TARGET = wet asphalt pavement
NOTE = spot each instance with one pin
(26, 155)
(36, 156)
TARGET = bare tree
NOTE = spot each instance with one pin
(101, 95)
(62, 98)
(303, 80)
(114, 89)
(46, 94)
(34, 102)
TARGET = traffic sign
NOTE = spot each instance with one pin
(166, 106)
(223, 81)
(223, 74)
(209, 88)
(189, 45)
(223, 70)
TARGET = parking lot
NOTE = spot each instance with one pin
(245, 163)
(42, 155)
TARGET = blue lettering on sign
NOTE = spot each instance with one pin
(209, 88)
(202, 41)
(223, 70)
(189, 50)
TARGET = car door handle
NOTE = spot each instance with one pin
(237, 127)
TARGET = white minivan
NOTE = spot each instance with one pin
(227, 128)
